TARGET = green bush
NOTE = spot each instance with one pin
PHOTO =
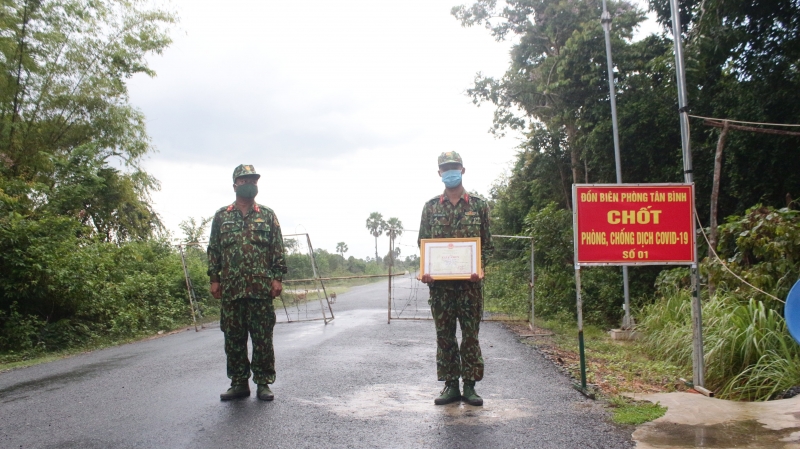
(62, 290)
(763, 247)
(749, 353)
(505, 288)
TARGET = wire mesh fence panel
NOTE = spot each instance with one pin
(409, 298)
(301, 301)
(506, 286)
(304, 297)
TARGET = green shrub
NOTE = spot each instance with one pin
(18, 332)
(62, 290)
(505, 288)
(749, 353)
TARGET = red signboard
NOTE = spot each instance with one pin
(634, 224)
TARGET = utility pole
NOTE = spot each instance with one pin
(605, 19)
(698, 359)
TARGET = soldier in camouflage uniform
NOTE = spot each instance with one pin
(454, 214)
(246, 266)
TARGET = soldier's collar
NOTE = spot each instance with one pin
(254, 208)
(464, 196)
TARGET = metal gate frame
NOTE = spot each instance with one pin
(316, 279)
(193, 303)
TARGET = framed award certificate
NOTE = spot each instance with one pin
(450, 259)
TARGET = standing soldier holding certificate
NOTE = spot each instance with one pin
(246, 266)
(457, 214)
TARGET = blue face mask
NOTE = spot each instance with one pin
(451, 178)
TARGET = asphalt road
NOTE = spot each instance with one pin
(356, 382)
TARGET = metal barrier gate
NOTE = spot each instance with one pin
(303, 287)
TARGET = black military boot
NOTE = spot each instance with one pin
(264, 393)
(236, 391)
(470, 397)
(449, 394)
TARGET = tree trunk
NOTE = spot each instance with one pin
(712, 238)
(574, 153)
(715, 188)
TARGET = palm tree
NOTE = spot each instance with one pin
(393, 228)
(376, 226)
(341, 248)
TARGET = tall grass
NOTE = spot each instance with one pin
(749, 353)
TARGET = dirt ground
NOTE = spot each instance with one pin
(606, 375)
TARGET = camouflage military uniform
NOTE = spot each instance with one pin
(457, 300)
(245, 255)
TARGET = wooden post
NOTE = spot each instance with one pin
(715, 189)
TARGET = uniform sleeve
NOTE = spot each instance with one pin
(486, 235)
(424, 225)
(277, 258)
(214, 254)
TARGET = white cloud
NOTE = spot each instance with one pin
(343, 107)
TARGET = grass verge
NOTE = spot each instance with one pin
(630, 412)
(613, 367)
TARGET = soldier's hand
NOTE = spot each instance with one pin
(215, 290)
(426, 278)
(475, 277)
(277, 288)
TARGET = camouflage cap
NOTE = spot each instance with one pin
(244, 170)
(450, 157)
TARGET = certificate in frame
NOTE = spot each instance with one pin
(450, 259)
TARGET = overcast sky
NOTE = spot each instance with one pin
(342, 107)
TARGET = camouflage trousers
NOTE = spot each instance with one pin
(256, 317)
(466, 306)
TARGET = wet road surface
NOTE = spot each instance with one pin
(356, 382)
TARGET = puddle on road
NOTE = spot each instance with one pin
(749, 434)
(379, 401)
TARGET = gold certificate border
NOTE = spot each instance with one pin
(422, 251)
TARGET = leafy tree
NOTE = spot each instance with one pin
(194, 230)
(376, 225)
(65, 119)
(412, 262)
(341, 248)
(291, 245)
(556, 92)
(76, 226)
(742, 61)
(558, 69)
(392, 256)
